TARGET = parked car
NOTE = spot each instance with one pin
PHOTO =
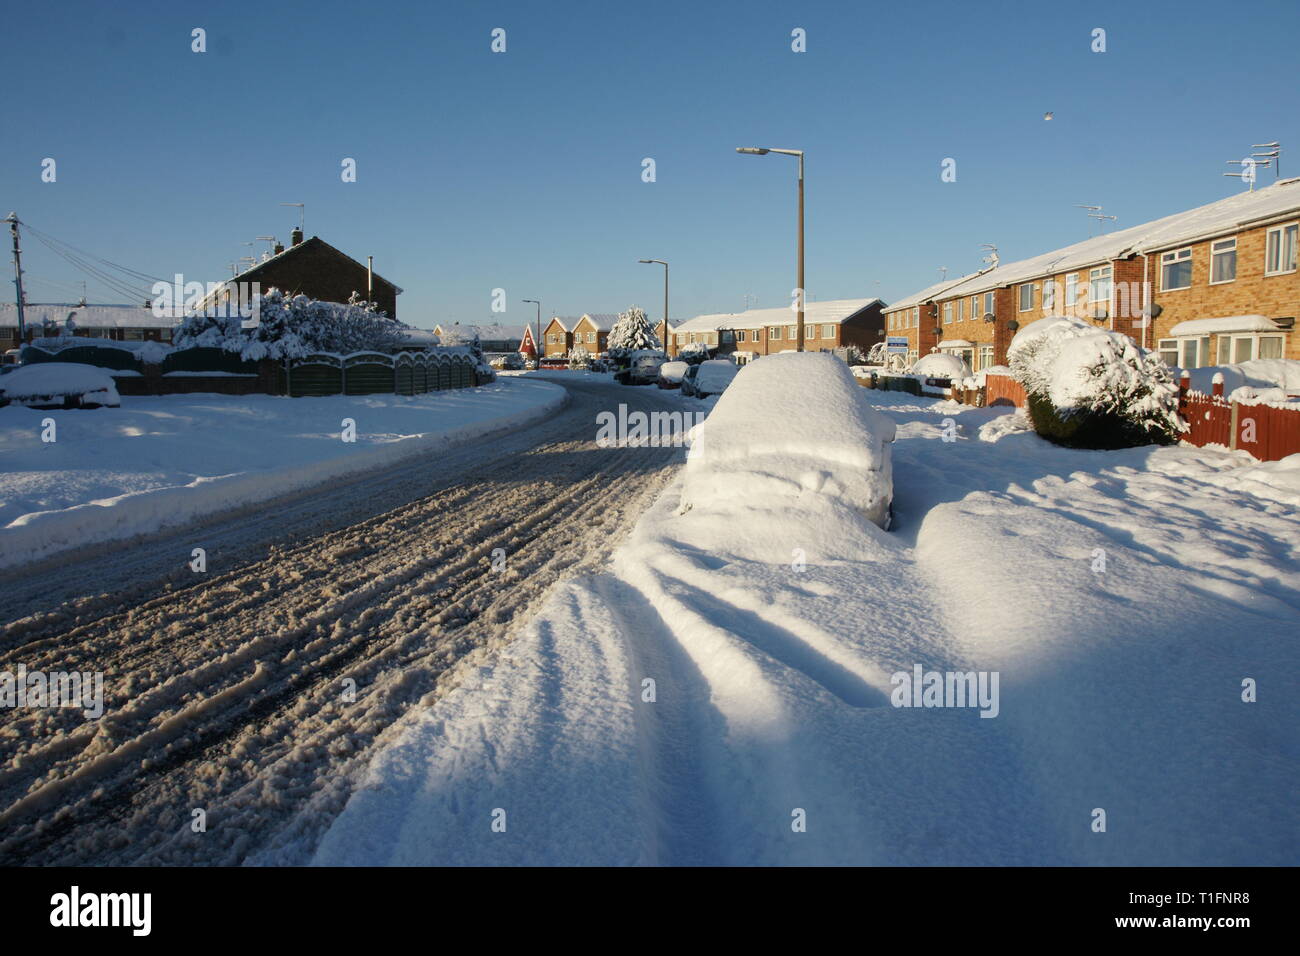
(642, 368)
(708, 378)
(671, 374)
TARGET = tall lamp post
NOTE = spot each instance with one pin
(664, 338)
(537, 332)
(763, 151)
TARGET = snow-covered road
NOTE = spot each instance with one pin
(1122, 597)
(230, 692)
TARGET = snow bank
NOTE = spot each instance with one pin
(163, 461)
(792, 432)
(53, 381)
(941, 365)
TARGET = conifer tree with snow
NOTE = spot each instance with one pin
(630, 333)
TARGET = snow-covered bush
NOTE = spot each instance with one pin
(1089, 387)
(693, 353)
(853, 355)
(631, 332)
(292, 328)
(579, 357)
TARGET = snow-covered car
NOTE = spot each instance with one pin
(790, 474)
(508, 363)
(59, 385)
(708, 378)
(671, 374)
(10, 356)
(642, 368)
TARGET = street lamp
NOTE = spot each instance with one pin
(537, 332)
(763, 151)
(664, 339)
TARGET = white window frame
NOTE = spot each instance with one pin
(947, 313)
(792, 332)
(916, 316)
(1222, 247)
(1166, 347)
(773, 334)
(1280, 231)
(985, 357)
(1071, 290)
(809, 331)
(1172, 258)
(828, 330)
(740, 335)
(961, 309)
(1096, 276)
(1032, 287)
(989, 301)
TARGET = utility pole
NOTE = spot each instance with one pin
(12, 219)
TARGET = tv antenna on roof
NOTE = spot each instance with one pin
(270, 239)
(992, 257)
(302, 212)
(1274, 154)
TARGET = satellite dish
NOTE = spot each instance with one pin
(1048, 115)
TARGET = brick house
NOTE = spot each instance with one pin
(492, 337)
(592, 331)
(756, 332)
(558, 336)
(1211, 285)
(118, 323)
(316, 269)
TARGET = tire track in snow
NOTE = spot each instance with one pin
(371, 598)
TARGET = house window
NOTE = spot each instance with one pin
(1072, 289)
(974, 307)
(1187, 349)
(135, 334)
(1223, 260)
(1270, 346)
(773, 332)
(828, 331)
(1049, 295)
(1280, 249)
(727, 336)
(986, 356)
(916, 313)
(810, 331)
(793, 331)
(1169, 351)
(1027, 296)
(1176, 270)
(166, 335)
(947, 313)
(961, 310)
(591, 336)
(1243, 349)
(1099, 290)
(988, 303)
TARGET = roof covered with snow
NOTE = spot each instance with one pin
(603, 321)
(833, 311)
(1217, 218)
(86, 316)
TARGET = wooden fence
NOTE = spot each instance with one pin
(1268, 432)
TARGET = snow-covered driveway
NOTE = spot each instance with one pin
(228, 691)
(1122, 597)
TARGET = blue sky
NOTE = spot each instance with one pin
(522, 170)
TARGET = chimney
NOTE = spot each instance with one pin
(279, 248)
(295, 237)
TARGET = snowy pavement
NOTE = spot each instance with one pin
(1121, 597)
(160, 462)
(256, 690)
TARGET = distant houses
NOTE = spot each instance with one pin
(118, 323)
(756, 332)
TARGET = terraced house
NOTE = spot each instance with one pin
(755, 332)
(1214, 285)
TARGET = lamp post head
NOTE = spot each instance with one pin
(752, 150)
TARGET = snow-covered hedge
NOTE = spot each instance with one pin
(579, 357)
(1089, 387)
(693, 353)
(296, 327)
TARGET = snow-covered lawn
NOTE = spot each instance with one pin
(162, 461)
(1122, 598)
